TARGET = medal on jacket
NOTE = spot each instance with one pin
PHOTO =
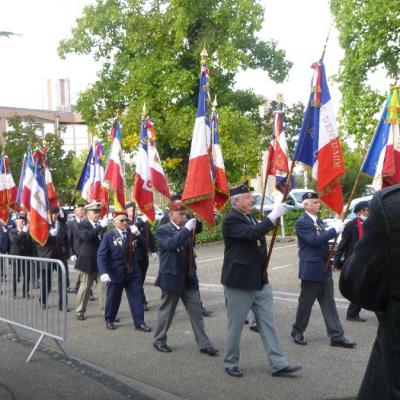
(317, 228)
(258, 242)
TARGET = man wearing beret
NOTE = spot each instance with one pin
(244, 286)
(21, 245)
(119, 268)
(316, 282)
(90, 232)
(351, 234)
(177, 279)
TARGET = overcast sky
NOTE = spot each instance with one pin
(299, 26)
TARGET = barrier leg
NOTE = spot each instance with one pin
(35, 348)
(61, 347)
(14, 332)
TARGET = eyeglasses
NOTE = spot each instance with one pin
(123, 220)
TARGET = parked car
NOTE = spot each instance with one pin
(158, 211)
(268, 204)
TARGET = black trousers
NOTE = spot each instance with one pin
(323, 292)
(45, 280)
(353, 311)
(21, 268)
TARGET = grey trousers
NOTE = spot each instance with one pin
(238, 303)
(191, 301)
(82, 298)
(323, 292)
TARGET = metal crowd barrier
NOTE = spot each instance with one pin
(33, 296)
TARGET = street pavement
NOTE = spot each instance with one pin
(123, 363)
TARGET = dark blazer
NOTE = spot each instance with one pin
(349, 239)
(74, 241)
(313, 246)
(90, 238)
(4, 239)
(20, 243)
(245, 251)
(56, 246)
(113, 255)
(173, 246)
(370, 277)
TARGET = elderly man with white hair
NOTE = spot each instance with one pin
(316, 280)
(244, 286)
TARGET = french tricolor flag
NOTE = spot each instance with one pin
(318, 145)
(220, 181)
(87, 176)
(382, 161)
(38, 226)
(113, 174)
(8, 190)
(142, 190)
(198, 192)
(25, 182)
(50, 189)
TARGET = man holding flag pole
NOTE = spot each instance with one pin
(319, 147)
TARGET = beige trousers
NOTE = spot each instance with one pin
(82, 298)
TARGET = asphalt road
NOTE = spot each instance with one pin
(124, 360)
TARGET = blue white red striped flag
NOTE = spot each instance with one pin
(382, 161)
(114, 174)
(319, 146)
(25, 182)
(38, 226)
(8, 190)
(198, 192)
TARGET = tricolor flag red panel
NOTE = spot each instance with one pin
(319, 146)
(198, 192)
(114, 174)
(220, 181)
(8, 190)
(142, 190)
(25, 182)
(50, 189)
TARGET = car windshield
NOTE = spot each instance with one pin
(298, 196)
(257, 200)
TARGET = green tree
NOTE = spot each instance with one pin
(150, 53)
(65, 167)
(370, 36)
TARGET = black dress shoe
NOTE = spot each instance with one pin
(234, 371)
(162, 347)
(143, 328)
(211, 351)
(69, 290)
(356, 319)
(343, 342)
(117, 320)
(254, 328)
(110, 325)
(298, 338)
(290, 369)
(145, 307)
(80, 317)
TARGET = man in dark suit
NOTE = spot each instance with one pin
(177, 279)
(316, 282)
(74, 241)
(55, 247)
(90, 231)
(370, 277)
(118, 267)
(351, 234)
(143, 249)
(244, 287)
(4, 246)
(21, 245)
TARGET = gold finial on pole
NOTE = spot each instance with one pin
(279, 99)
(203, 55)
(214, 104)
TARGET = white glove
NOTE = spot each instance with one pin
(191, 224)
(72, 258)
(104, 223)
(25, 228)
(154, 256)
(61, 213)
(279, 210)
(53, 232)
(105, 278)
(338, 226)
(135, 230)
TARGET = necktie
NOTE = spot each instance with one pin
(123, 235)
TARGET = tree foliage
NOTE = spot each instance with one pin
(65, 167)
(150, 53)
(370, 36)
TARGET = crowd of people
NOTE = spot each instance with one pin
(117, 258)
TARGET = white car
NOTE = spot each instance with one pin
(295, 198)
(159, 213)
